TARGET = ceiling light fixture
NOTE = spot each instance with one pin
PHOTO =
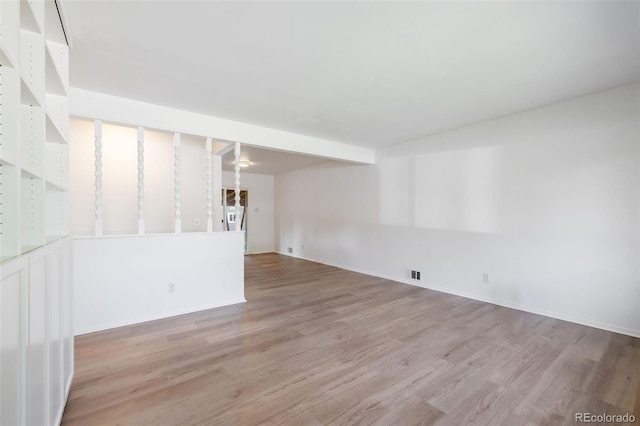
(244, 163)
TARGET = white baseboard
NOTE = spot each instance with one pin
(116, 324)
(66, 398)
(68, 387)
(500, 302)
(259, 252)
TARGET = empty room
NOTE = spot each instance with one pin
(319, 212)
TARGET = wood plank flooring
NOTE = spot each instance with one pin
(316, 345)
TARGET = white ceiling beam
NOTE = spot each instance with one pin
(221, 148)
(108, 108)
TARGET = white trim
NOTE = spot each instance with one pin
(225, 150)
(171, 234)
(13, 266)
(116, 324)
(68, 386)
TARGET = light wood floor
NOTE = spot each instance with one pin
(317, 345)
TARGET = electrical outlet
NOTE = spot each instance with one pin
(172, 288)
(196, 222)
(289, 249)
(415, 275)
(485, 278)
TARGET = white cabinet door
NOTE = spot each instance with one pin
(37, 358)
(11, 338)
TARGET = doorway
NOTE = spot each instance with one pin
(230, 216)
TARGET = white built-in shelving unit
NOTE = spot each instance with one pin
(36, 356)
(34, 132)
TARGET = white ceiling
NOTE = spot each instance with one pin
(268, 162)
(367, 73)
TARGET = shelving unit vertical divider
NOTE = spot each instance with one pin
(9, 130)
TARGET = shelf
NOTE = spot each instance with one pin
(25, 172)
(53, 238)
(31, 15)
(6, 58)
(5, 258)
(27, 96)
(54, 135)
(57, 113)
(6, 162)
(55, 186)
(55, 83)
(28, 248)
(29, 172)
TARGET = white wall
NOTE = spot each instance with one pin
(120, 184)
(260, 217)
(545, 201)
(125, 280)
(120, 202)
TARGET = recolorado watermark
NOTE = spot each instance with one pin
(604, 418)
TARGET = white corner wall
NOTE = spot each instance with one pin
(545, 201)
(124, 280)
(260, 217)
